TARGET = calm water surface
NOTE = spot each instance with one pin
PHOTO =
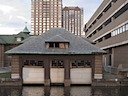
(63, 91)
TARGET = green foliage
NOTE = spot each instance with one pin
(5, 75)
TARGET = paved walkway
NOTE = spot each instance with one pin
(110, 76)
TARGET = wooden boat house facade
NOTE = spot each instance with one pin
(56, 57)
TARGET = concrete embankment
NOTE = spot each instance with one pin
(10, 82)
(115, 82)
(17, 82)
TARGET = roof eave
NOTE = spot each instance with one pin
(49, 53)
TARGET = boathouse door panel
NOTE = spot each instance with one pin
(81, 72)
(33, 75)
(57, 71)
(81, 75)
(57, 75)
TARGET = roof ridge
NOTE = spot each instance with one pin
(58, 38)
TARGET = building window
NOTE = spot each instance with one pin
(108, 36)
(57, 64)
(121, 11)
(100, 16)
(40, 63)
(107, 22)
(94, 22)
(114, 1)
(94, 32)
(57, 45)
(107, 8)
(62, 45)
(100, 40)
(33, 63)
(126, 26)
(18, 39)
(120, 30)
(53, 45)
(26, 62)
(81, 63)
(100, 28)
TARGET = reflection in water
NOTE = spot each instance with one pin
(33, 91)
(80, 91)
(110, 91)
(10, 91)
(56, 91)
(63, 91)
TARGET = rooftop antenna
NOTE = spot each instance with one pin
(26, 24)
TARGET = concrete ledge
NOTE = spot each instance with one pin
(105, 83)
(98, 76)
(15, 76)
(110, 83)
(67, 83)
(10, 82)
(47, 82)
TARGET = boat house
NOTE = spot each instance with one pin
(56, 57)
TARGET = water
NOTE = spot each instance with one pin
(63, 91)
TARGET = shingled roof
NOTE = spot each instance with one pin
(36, 45)
(11, 39)
(57, 38)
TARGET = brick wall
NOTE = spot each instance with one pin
(98, 67)
(15, 64)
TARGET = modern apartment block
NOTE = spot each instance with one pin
(45, 14)
(108, 27)
(73, 20)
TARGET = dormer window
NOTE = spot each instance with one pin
(57, 45)
(57, 42)
(53, 45)
(18, 39)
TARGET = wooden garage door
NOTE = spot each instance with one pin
(33, 75)
(57, 75)
(33, 71)
(81, 76)
(57, 71)
(81, 72)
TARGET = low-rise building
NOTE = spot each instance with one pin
(56, 57)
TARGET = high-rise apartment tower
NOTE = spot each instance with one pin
(73, 20)
(45, 14)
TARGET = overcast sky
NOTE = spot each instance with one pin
(14, 13)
